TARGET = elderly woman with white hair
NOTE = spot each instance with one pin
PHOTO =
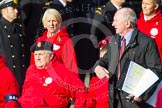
(54, 33)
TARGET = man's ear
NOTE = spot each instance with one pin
(156, 6)
(52, 56)
(128, 23)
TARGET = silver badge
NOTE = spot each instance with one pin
(153, 32)
(48, 80)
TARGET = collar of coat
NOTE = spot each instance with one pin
(133, 41)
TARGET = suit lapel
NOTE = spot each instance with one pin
(114, 44)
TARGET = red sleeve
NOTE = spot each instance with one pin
(9, 88)
(26, 92)
(69, 57)
(98, 92)
(32, 93)
(76, 90)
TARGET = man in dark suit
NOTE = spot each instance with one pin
(12, 40)
(138, 48)
(31, 12)
(102, 20)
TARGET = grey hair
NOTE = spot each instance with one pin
(129, 14)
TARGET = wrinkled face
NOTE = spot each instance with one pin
(42, 58)
(11, 13)
(149, 8)
(119, 24)
(51, 23)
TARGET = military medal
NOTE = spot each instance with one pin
(59, 39)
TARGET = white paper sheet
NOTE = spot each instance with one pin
(138, 79)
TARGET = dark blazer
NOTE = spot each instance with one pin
(12, 48)
(31, 15)
(67, 13)
(102, 22)
(142, 50)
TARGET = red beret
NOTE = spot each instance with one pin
(104, 42)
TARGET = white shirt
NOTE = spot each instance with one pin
(148, 18)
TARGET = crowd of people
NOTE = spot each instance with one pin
(48, 47)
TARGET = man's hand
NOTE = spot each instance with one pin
(101, 72)
(135, 99)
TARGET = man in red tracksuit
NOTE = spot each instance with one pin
(150, 22)
(48, 83)
(9, 89)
